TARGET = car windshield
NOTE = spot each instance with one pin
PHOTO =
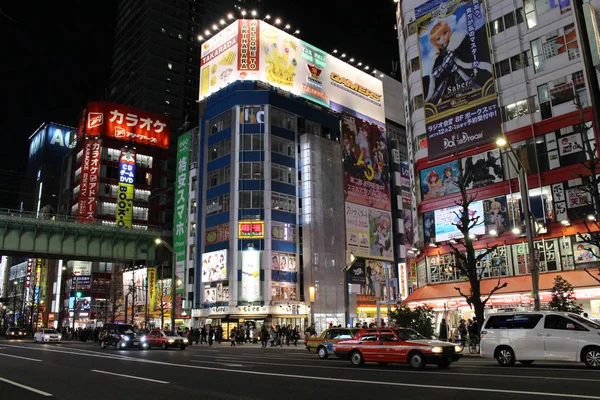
(50, 331)
(124, 329)
(169, 333)
(408, 334)
(586, 322)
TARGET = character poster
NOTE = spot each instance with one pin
(440, 180)
(483, 169)
(366, 164)
(369, 232)
(429, 227)
(495, 211)
(460, 98)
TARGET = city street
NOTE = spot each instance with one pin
(74, 370)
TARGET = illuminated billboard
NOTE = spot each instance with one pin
(88, 184)
(461, 106)
(446, 221)
(125, 191)
(289, 63)
(251, 275)
(119, 122)
(49, 143)
(214, 266)
(251, 229)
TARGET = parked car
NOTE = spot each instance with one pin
(401, 345)
(323, 344)
(540, 335)
(15, 333)
(121, 336)
(166, 339)
(47, 336)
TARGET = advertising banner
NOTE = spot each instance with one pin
(485, 168)
(134, 282)
(214, 266)
(283, 261)
(30, 262)
(283, 291)
(446, 220)
(215, 234)
(251, 229)
(181, 207)
(151, 289)
(289, 63)
(119, 122)
(88, 184)
(496, 214)
(163, 289)
(251, 275)
(369, 232)
(38, 278)
(366, 164)
(356, 273)
(50, 143)
(125, 191)
(460, 98)
(440, 180)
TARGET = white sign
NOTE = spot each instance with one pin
(214, 266)
(82, 267)
(446, 220)
(251, 275)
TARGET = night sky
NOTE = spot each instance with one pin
(57, 56)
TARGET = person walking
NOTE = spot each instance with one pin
(264, 336)
(211, 334)
(296, 335)
(219, 334)
(462, 331)
(443, 330)
(197, 335)
(203, 334)
(248, 338)
(233, 336)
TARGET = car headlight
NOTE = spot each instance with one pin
(437, 350)
(46, 336)
(125, 338)
(11, 333)
(59, 336)
(185, 341)
(171, 341)
(143, 339)
(458, 349)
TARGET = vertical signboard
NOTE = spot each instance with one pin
(88, 184)
(125, 191)
(181, 211)
(459, 93)
(151, 289)
(367, 189)
(248, 41)
(250, 275)
(38, 279)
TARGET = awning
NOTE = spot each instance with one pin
(515, 284)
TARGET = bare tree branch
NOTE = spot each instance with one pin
(494, 290)
(590, 274)
(468, 298)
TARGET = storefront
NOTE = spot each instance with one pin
(516, 296)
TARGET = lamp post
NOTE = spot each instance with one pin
(346, 271)
(535, 277)
(15, 283)
(158, 242)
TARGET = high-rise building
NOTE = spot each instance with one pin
(156, 54)
(292, 218)
(473, 71)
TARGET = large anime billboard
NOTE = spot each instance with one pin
(459, 92)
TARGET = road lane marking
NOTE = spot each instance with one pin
(22, 358)
(34, 390)
(130, 376)
(350, 381)
(218, 363)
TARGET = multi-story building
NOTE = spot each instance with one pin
(293, 183)
(473, 71)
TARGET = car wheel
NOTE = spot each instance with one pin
(356, 358)
(322, 352)
(416, 360)
(591, 357)
(505, 356)
(443, 364)
(182, 347)
(103, 344)
(526, 362)
(164, 346)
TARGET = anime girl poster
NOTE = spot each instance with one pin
(380, 231)
(496, 214)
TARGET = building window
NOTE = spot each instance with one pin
(280, 173)
(554, 43)
(252, 114)
(497, 26)
(520, 15)
(283, 231)
(218, 177)
(282, 146)
(519, 109)
(190, 280)
(502, 68)
(519, 61)
(251, 170)
(219, 149)
(283, 119)
(251, 142)
(415, 64)
(251, 199)
(192, 253)
(219, 123)
(530, 16)
(283, 202)
(418, 102)
(412, 28)
(217, 204)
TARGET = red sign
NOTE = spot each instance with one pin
(30, 262)
(251, 229)
(120, 122)
(248, 45)
(219, 233)
(88, 184)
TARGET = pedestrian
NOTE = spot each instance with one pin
(443, 330)
(219, 334)
(264, 336)
(211, 334)
(197, 335)
(296, 335)
(203, 334)
(306, 336)
(247, 339)
(233, 336)
(462, 331)
(254, 332)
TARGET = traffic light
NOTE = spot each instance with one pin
(78, 295)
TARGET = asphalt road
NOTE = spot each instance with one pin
(74, 370)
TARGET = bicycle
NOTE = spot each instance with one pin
(473, 345)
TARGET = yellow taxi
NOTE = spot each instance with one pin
(323, 344)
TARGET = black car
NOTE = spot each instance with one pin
(15, 333)
(121, 336)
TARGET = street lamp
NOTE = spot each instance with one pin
(158, 242)
(535, 278)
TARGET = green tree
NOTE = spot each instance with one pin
(420, 319)
(563, 297)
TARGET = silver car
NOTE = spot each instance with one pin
(47, 335)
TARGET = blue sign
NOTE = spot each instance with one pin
(51, 143)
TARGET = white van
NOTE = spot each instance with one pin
(540, 335)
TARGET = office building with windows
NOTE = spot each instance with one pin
(473, 71)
